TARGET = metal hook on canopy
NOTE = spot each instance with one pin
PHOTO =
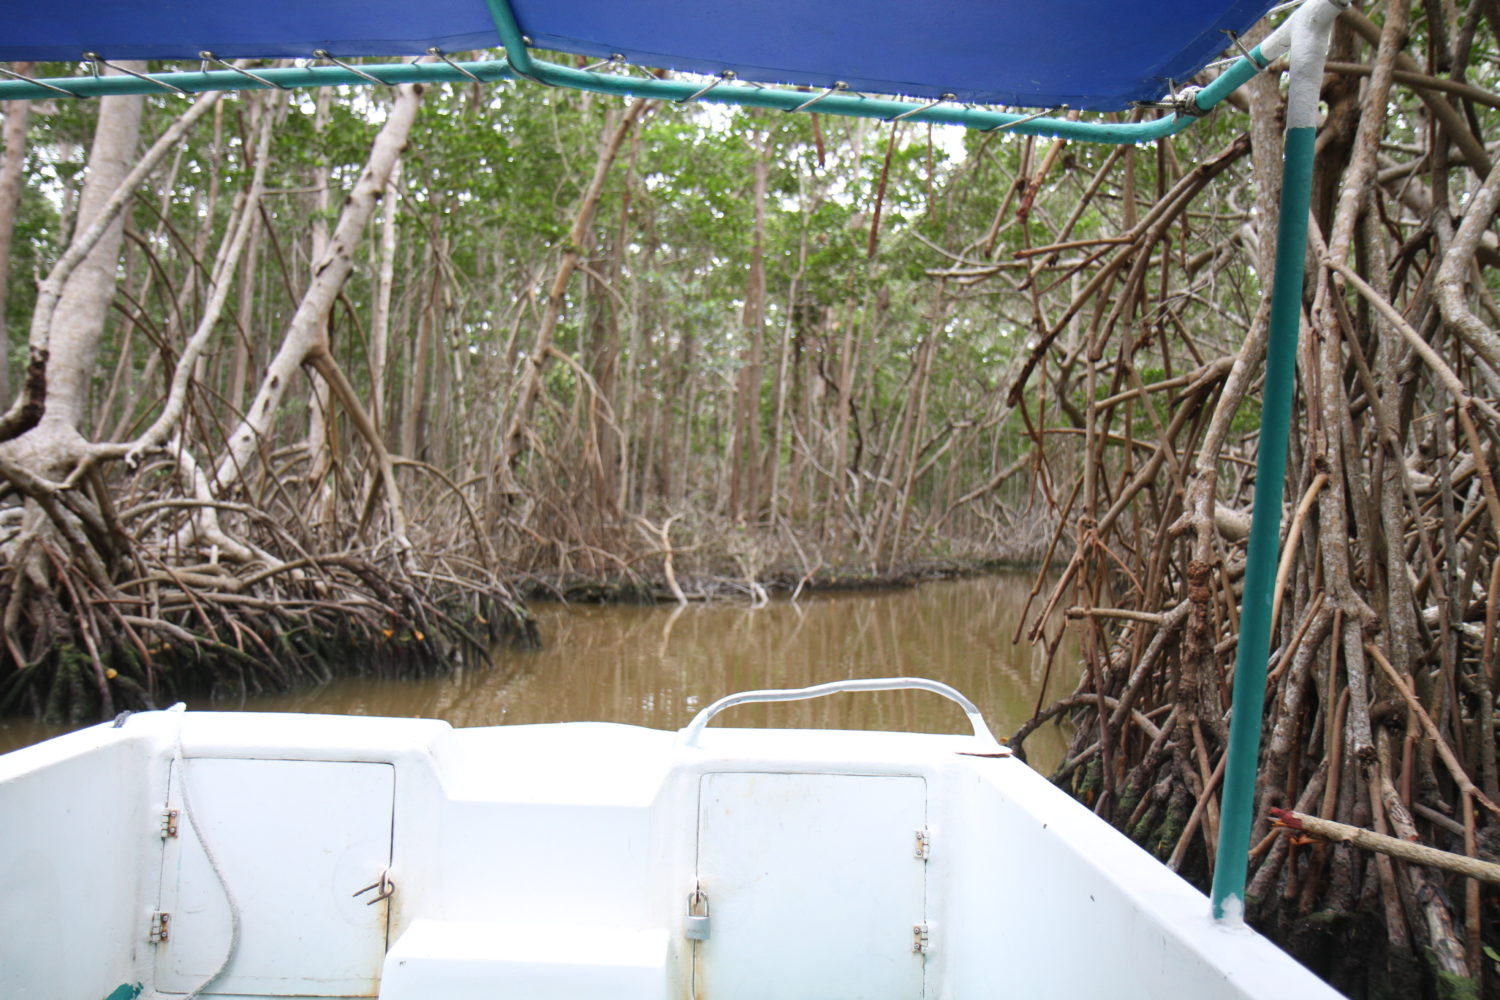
(838, 85)
(1234, 36)
(1003, 126)
(618, 63)
(95, 60)
(39, 83)
(1260, 63)
(435, 51)
(209, 57)
(921, 108)
(1180, 102)
(615, 59)
(323, 54)
(725, 77)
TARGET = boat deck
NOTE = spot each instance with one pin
(336, 856)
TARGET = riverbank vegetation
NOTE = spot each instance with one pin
(370, 364)
(1381, 694)
(296, 375)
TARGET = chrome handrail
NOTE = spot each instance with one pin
(976, 719)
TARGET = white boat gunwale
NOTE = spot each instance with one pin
(556, 860)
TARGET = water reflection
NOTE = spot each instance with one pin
(656, 666)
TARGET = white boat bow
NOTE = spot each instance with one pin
(298, 856)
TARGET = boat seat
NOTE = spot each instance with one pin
(480, 960)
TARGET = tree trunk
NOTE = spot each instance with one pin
(380, 322)
(306, 338)
(580, 239)
(73, 340)
(12, 168)
(321, 426)
(744, 481)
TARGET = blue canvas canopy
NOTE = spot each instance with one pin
(1075, 52)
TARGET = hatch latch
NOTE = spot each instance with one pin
(384, 888)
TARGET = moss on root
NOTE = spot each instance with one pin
(1455, 987)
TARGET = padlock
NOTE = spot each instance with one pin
(695, 926)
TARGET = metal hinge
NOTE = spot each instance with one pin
(160, 924)
(924, 843)
(921, 938)
(169, 823)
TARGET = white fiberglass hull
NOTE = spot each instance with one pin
(226, 852)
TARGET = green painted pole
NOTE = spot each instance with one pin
(1265, 528)
(1308, 47)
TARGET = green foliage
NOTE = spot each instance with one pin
(491, 180)
(33, 250)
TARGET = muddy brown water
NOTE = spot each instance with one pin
(657, 665)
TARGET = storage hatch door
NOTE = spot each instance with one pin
(813, 886)
(295, 840)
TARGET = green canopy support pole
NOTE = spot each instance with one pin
(1309, 47)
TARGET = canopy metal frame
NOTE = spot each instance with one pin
(519, 63)
(1303, 36)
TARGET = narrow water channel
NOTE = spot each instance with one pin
(657, 665)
